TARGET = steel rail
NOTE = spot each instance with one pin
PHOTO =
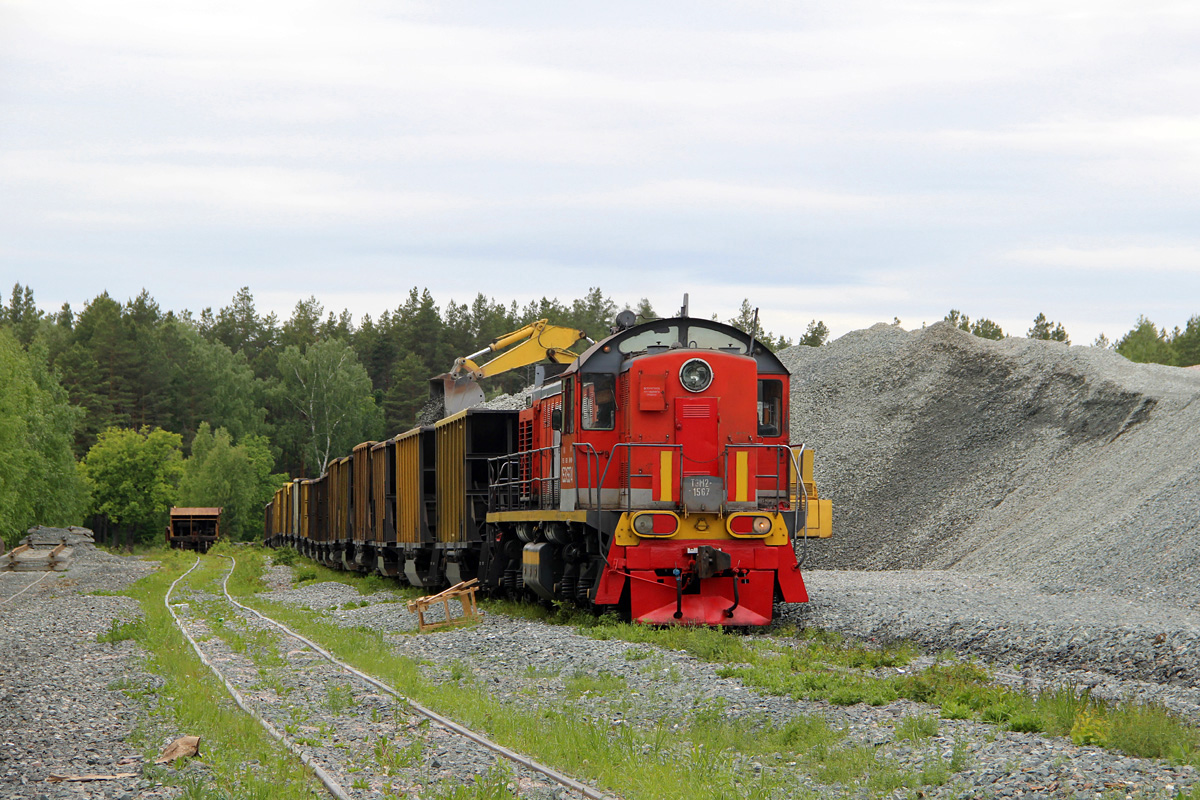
(45, 575)
(445, 722)
(330, 782)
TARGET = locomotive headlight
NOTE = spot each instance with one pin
(655, 523)
(696, 375)
(748, 524)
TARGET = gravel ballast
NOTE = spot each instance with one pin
(63, 705)
(529, 665)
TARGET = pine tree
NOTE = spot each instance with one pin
(302, 328)
(815, 335)
(1146, 343)
(959, 320)
(1186, 345)
(986, 329)
(1047, 330)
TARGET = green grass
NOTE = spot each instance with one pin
(391, 759)
(819, 665)
(615, 758)
(339, 697)
(305, 570)
(819, 748)
(121, 631)
(243, 760)
(285, 556)
(917, 727)
(258, 644)
(604, 683)
(495, 784)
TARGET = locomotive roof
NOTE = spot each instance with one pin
(613, 354)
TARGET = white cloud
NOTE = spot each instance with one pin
(162, 192)
(905, 154)
(709, 194)
(1126, 258)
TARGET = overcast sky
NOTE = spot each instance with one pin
(844, 161)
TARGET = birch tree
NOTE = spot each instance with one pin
(331, 393)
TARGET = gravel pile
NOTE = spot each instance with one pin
(510, 402)
(1066, 467)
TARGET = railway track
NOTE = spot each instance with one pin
(357, 733)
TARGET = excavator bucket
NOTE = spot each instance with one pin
(455, 394)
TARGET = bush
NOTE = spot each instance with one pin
(1090, 728)
(1026, 722)
(285, 556)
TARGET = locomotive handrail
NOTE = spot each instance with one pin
(611, 458)
(576, 447)
(501, 483)
(797, 525)
(801, 489)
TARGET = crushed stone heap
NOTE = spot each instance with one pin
(1069, 467)
(45, 536)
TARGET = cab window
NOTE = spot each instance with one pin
(569, 406)
(770, 407)
(598, 401)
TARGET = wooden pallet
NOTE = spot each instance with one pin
(463, 592)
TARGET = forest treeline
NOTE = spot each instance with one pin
(119, 410)
(114, 412)
(1146, 343)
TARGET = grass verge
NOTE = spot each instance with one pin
(698, 754)
(243, 760)
(820, 665)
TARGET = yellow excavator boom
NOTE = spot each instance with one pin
(538, 340)
(535, 342)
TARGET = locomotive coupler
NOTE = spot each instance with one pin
(711, 561)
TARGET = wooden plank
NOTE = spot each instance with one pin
(463, 592)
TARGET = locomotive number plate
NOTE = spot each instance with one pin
(703, 492)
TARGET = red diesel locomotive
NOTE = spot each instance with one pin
(653, 475)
